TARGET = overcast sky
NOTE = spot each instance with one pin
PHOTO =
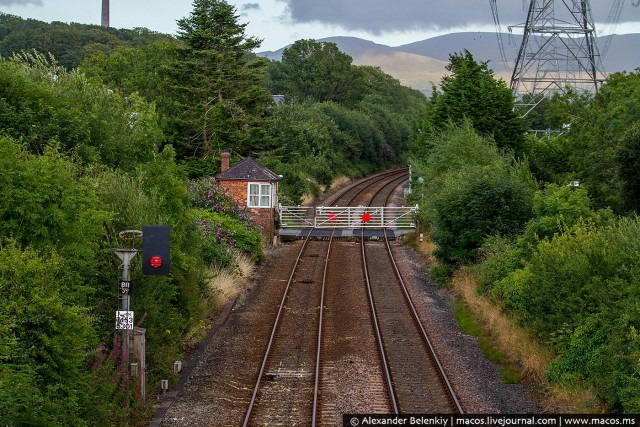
(281, 22)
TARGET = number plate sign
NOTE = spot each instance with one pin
(124, 320)
(126, 287)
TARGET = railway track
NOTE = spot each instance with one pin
(286, 391)
(303, 351)
(287, 380)
(357, 193)
(416, 380)
(409, 377)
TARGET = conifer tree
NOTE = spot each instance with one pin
(216, 82)
(472, 93)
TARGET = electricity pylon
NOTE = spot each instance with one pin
(558, 51)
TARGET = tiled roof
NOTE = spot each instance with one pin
(248, 169)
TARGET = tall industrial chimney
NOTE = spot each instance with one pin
(105, 13)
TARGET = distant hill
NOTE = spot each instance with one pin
(623, 55)
(413, 70)
(421, 64)
(71, 43)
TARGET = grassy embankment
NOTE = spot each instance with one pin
(503, 340)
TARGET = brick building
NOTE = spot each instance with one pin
(253, 186)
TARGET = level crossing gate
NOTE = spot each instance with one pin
(398, 219)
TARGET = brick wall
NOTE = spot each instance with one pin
(237, 189)
(264, 217)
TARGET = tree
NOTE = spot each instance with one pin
(68, 43)
(216, 82)
(381, 88)
(128, 70)
(318, 71)
(601, 139)
(43, 104)
(472, 92)
(628, 162)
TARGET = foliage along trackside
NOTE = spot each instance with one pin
(131, 138)
(89, 168)
(310, 139)
(547, 228)
(111, 145)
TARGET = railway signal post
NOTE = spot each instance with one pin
(155, 262)
(124, 316)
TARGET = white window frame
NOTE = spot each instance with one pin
(261, 187)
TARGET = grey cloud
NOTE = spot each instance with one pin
(250, 6)
(379, 16)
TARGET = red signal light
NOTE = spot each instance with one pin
(155, 261)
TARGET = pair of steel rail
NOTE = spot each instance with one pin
(395, 177)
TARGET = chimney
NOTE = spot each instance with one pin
(226, 156)
(105, 13)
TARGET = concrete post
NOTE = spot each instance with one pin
(139, 343)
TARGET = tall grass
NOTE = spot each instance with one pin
(519, 347)
(226, 284)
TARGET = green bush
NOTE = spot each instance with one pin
(224, 229)
(43, 376)
(449, 151)
(603, 352)
(580, 292)
(556, 208)
(627, 158)
(216, 254)
(44, 104)
(498, 256)
(51, 225)
(548, 158)
(476, 203)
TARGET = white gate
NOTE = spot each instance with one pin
(391, 217)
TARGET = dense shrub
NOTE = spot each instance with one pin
(627, 159)
(51, 222)
(603, 352)
(579, 291)
(225, 226)
(470, 191)
(476, 203)
(232, 232)
(449, 151)
(548, 158)
(556, 208)
(498, 256)
(43, 104)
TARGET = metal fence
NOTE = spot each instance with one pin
(391, 217)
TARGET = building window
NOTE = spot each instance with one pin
(259, 195)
